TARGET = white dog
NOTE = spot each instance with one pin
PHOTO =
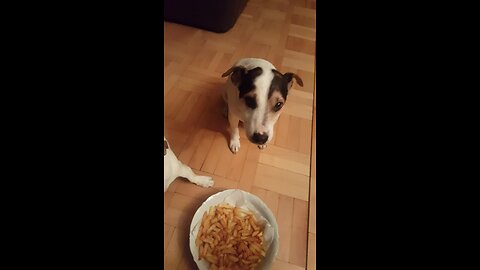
(255, 94)
(174, 168)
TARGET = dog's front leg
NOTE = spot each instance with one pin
(186, 172)
(234, 132)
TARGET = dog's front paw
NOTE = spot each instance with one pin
(204, 181)
(235, 145)
(263, 146)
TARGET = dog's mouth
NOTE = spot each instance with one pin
(252, 141)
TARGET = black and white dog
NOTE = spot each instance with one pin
(255, 94)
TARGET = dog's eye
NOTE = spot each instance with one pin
(250, 102)
(278, 106)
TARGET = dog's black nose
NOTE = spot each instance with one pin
(260, 138)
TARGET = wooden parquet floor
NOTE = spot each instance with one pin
(283, 175)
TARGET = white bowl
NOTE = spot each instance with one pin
(263, 210)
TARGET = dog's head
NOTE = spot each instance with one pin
(262, 92)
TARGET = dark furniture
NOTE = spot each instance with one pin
(212, 15)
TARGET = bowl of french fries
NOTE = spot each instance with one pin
(234, 230)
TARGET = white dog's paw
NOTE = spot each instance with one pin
(234, 145)
(204, 181)
(263, 146)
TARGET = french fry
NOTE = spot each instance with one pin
(233, 258)
(230, 250)
(211, 259)
(253, 257)
(230, 238)
(200, 252)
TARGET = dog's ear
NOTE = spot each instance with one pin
(237, 74)
(289, 76)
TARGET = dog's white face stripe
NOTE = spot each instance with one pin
(259, 118)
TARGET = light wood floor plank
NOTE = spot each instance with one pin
(284, 220)
(298, 253)
(312, 247)
(282, 181)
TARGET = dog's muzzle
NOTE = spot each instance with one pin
(259, 138)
